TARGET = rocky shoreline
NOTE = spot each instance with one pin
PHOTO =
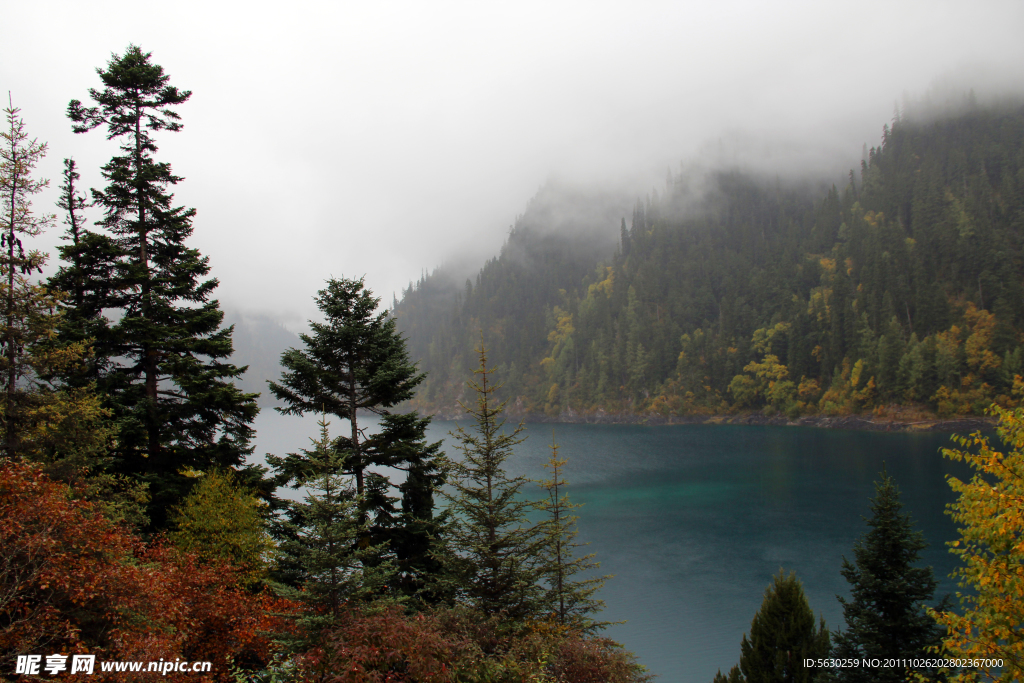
(959, 425)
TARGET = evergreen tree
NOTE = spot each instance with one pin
(418, 538)
(321, 548)
(23, 303)
(355, 361)
(886, 616)
(569, 598)
(782, 635)
(734, 676)
(85, 278)
(161, 365)
(498, 569)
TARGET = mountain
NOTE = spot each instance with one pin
(259, 342)
(904, 285)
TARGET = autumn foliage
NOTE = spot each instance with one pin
(73, 582)
(448, 645)
(990, 513)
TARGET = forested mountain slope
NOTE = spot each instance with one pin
(903, 287)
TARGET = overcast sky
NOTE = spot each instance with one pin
(383, 138)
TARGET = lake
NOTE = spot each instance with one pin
(693, 520)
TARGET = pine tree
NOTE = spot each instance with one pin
(356, 361)
(161, 365)
(886, 616)
(24, 304)
(321, 538)
(569, 599)
(497, 545)
(782, 635)
(85, 278)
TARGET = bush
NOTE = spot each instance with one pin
(461, 645)
(73, 582)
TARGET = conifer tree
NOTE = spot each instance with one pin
(886, 617)
(85, 278)
(354, 361)
(569, 598)
(321, 538)
(782, 635)
(161, 366)
(24, 304)
(498, 547)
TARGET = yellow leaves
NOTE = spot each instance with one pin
(563, 326)
(990, 508)
(828, 264)
(604, 286)
(818, 304)
(874, 219)
(983, 325)
(764, 337)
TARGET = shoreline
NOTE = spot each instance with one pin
(962, 425)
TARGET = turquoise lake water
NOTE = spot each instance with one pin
(694, 520)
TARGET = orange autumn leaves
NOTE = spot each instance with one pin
(73, 582)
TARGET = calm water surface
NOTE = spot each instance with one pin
(694, 520)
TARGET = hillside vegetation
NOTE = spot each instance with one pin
(731, 292)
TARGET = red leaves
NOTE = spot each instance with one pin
(70, 581)
(383, 647)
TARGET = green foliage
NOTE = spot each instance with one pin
(160, 366)
(221, 521)
(323, 540)
(782, 635)
(357, 361)
(570, 598)
(906, 288)
(885, 617)
(497, 569)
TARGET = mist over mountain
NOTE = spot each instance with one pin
(259, 341)
(731, 289)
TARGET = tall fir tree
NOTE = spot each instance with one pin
(570, 598)
(885, 617)
(162, 365)
(355, 361)
(498, 567)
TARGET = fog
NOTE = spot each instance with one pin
(383, 139)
